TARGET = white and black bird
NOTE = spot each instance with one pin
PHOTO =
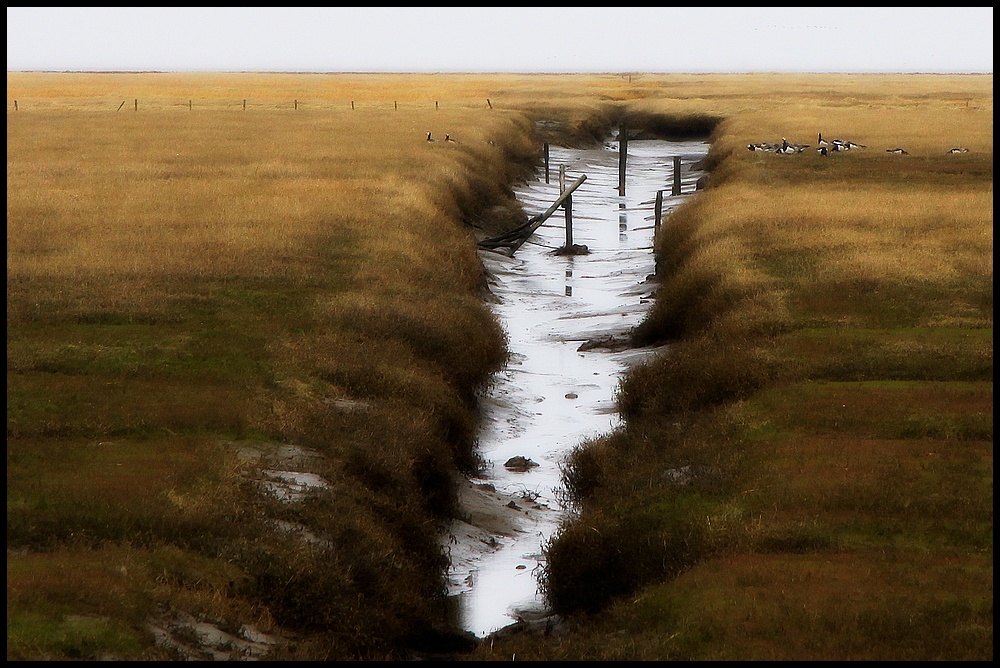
(897, 151)
(429, 138)
(822, 150)
(959, 149)
(788, 148)
(448, 138)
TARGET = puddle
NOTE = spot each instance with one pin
(553, 395)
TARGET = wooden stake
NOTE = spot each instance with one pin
(659, 210)
(677, 176)
(622, 153)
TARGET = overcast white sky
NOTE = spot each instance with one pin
(502, 39)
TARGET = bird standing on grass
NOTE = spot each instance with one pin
(429, 137)
(448, 138)
(897, 151)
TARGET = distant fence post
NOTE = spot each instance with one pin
(296, 104)
(659, 210)
(677, 176)
(15, 105)
(137, 104)
(189, 105)
(546, 162)
(244, 105)
(352, 104)
(435, 104)
(121, 105)
(622, 153)
(395, 105)
(488, 103)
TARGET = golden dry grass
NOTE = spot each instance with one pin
(184, 272)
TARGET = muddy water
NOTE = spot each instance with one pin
(552, 396)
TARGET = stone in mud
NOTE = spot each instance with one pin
(575, 249)
(519, 463)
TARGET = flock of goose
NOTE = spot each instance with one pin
(827, 146)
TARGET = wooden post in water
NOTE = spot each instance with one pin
(567, 207)
(677, 176)
(546, 162)
(568, 210)
(622, 154)
(535, 222)
(658, 216)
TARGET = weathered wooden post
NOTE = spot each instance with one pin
(567, 207)
(488, 103)
(121, 105)
(536, 221)
(622, 153)
(352, 105)
(137, 104)
(677, 176)
(15, 105)
(658, 215)
(189, 104)
(244, 104)
(296, 104)
(395, 105)
(546, 162)
(435, 104)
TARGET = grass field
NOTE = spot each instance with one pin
(201, 265)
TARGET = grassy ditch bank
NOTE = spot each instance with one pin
(201, 301)
(807, 472)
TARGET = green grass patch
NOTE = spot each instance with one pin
(917, 353)
(883, 409)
